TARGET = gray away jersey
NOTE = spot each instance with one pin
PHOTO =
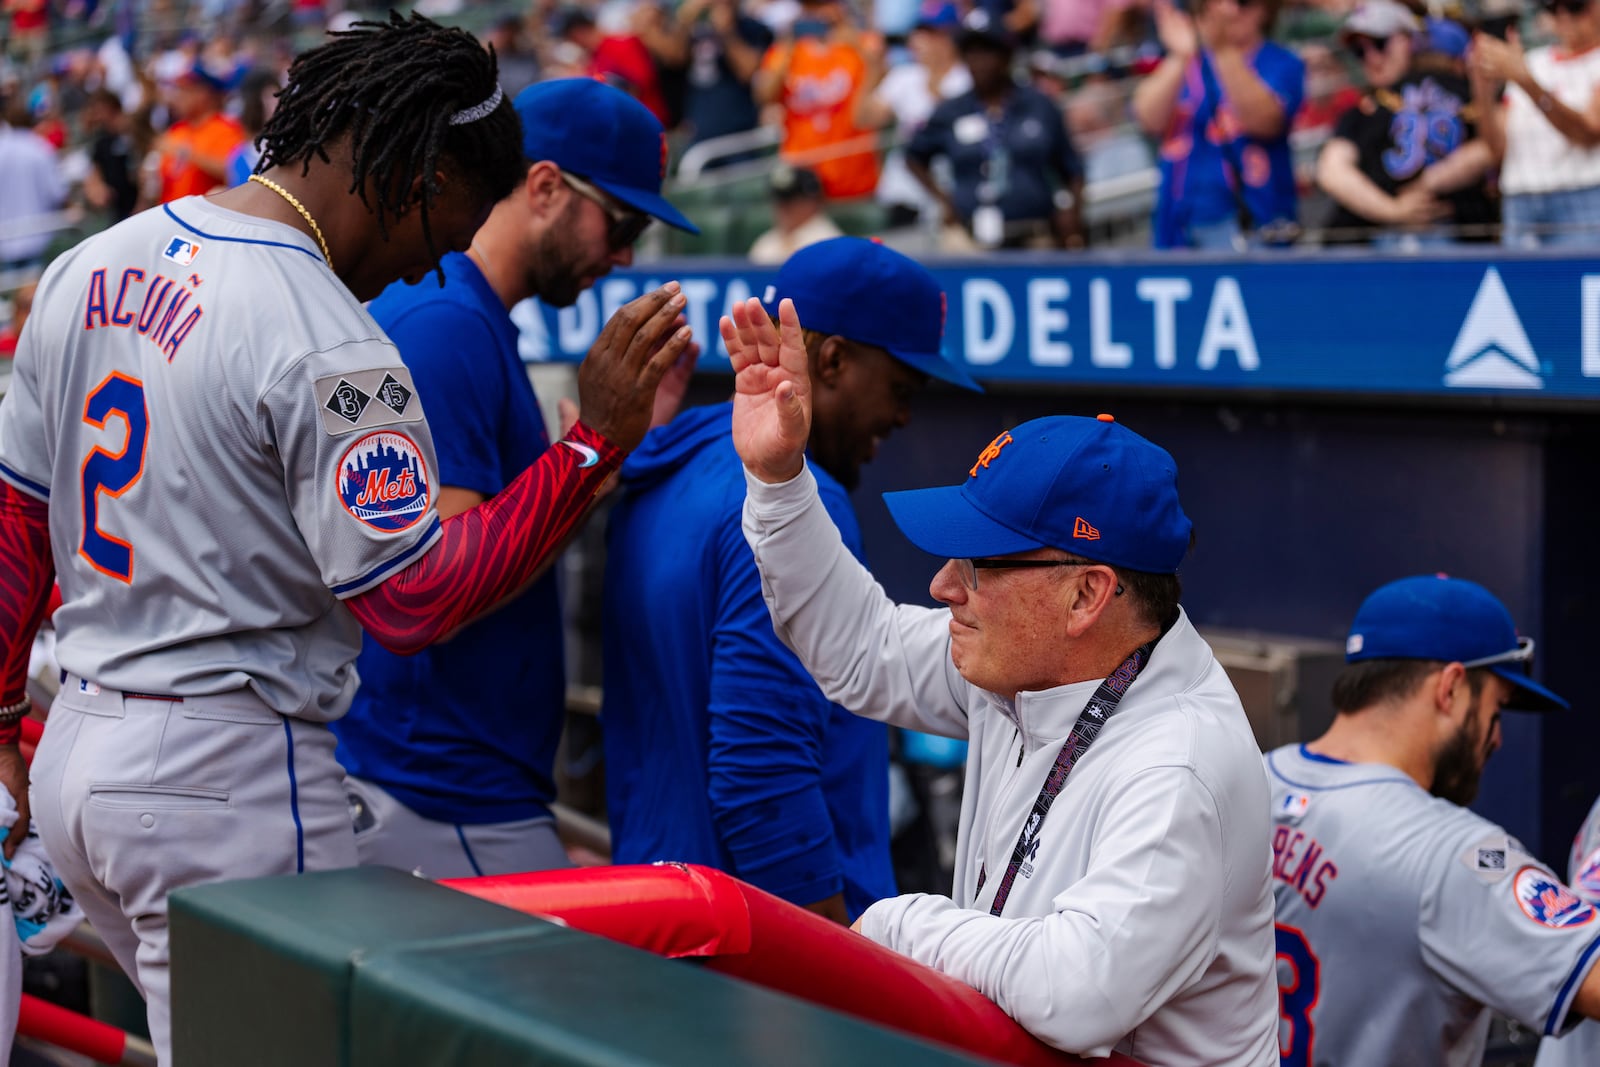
(1581, 1048)
(228, 444)
(1400, 916)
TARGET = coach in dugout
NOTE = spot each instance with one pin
(1402, 916)
(451, 751)
(1134, 915)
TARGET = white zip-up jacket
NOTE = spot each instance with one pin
(1143, 922)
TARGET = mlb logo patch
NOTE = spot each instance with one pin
(1294, 805)
(181, 251)
(1548, 902)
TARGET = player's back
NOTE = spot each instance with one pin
(178, 364)
(1362, 857)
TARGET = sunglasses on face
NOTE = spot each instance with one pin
(1361, 46)
(623, 227)
(1522, 654)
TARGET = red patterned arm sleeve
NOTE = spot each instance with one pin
(489, 552)
(26, 573)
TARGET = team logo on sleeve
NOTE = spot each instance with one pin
(383, 481)
(1548, 902)
(181, 251)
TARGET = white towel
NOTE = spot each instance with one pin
(42, 909)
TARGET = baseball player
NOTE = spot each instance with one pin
(1402, 917)
(451, 752)
(223, 459)
(1580, 1048)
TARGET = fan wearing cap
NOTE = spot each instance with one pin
(1111, 890)
(448, 775)
(1403, 918)
(798, 216)
(194, 152)
(719, 748)
(1408, 156)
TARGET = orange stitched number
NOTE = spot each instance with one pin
(112, 473)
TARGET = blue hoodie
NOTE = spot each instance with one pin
(719, 747)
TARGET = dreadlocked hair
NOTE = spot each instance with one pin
(391, 89)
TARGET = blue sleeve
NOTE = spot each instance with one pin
(933, 138)
(767, 719)
(1285, 74)
(450, 352)
(1067, 162)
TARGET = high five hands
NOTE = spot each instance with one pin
(772, 389)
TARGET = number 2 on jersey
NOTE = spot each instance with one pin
(112, 473)
(1298, 985)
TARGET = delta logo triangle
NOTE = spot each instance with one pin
(1082, 531)
(1492, 350)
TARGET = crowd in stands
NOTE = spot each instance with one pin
(975, 125)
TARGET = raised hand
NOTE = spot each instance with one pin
(772, 389)
(619, 377)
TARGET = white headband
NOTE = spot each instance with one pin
(479, 111)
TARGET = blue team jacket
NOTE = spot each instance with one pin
(719, 747)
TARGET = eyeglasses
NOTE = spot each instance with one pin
(969, 568)
(623, 227)
(1360, 46)
(1522, 654)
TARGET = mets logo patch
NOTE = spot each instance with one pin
(181, 251)
(383, 481)
(1587, 881)
(1548, 902)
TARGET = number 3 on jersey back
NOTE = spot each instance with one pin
(112, 473)
(1298, 985)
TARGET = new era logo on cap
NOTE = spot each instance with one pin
(1083, 531)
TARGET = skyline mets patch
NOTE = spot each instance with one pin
(383, 481)
(1548, 902)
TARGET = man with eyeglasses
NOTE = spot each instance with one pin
(450, 752)
(1111, 890)
(1403, 918)
(719, 749)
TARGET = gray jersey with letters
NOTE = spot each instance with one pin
(1581, 1048)
(219, 471)
(1401, 916)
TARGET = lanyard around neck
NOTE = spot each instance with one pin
(1101, 706)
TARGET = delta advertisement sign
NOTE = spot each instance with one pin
(1523, 327)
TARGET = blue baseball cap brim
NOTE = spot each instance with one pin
(1529, 694)
(943, 521)
(653, 204)
(937, 366)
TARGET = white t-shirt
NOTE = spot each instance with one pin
(905, 89)
(1538, 158)
(775, 246)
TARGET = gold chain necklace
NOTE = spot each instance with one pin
(298, 206)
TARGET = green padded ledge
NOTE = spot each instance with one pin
(573, 1000)
(262, 969)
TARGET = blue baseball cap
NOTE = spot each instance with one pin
(603, 135)
(936, 15)
(1452, 620)
(1088, 486)
(867, 292)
